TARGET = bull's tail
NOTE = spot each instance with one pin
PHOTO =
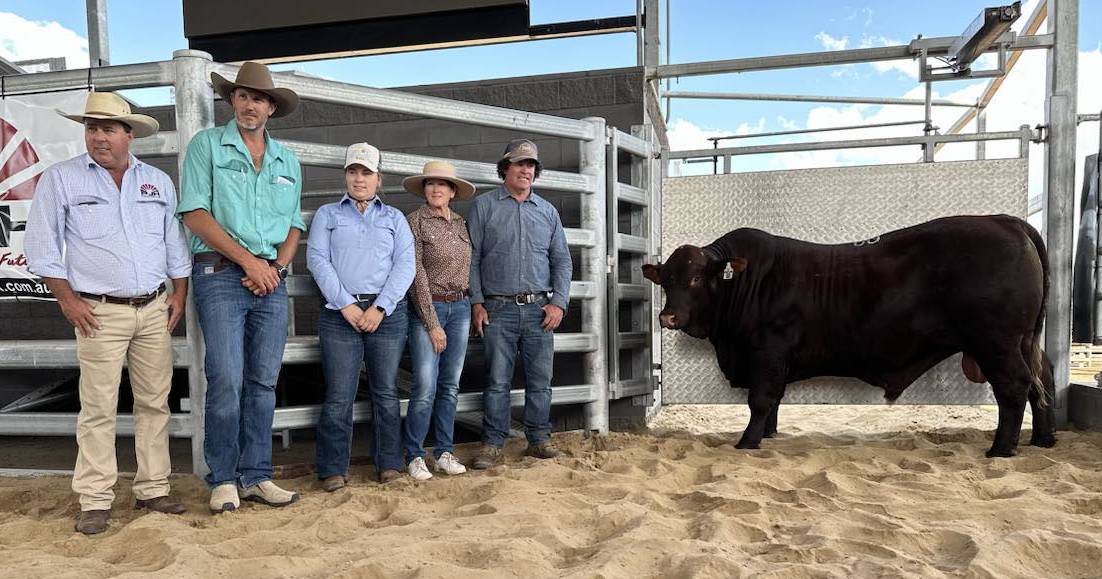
(1036, 365)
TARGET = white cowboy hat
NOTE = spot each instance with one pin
(438, 170)
(109, 106)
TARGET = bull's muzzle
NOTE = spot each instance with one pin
(668, 321)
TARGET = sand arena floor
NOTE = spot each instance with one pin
(842, 492)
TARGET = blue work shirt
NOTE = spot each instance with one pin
(256, 209)
(102, 240)
(517, 248)
(351, 253)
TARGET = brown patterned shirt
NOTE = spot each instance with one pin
(443, 260)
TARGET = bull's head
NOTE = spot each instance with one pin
(690, 278)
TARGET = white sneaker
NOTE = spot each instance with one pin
(447, 463)
(266, 492)
(418, 470)
(224, 498)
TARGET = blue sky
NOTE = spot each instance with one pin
(702, 30)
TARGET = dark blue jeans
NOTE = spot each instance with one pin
(244, 337)
(343, 351)
(435, 391)
(514, 329)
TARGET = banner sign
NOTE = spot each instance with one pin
(32, 137)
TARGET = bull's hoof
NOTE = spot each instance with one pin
(769, 434)
(1043, 440)
(748, 445)
(1001, 452)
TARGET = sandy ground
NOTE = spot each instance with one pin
(842, 492)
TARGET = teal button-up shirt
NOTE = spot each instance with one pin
(256, 209)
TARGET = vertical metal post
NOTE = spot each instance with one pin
(194, 112)
(981, 127)
(1059, 188)
(98, 50)
(594, 269)
(928, 148)
(612, 226)
(642, 170)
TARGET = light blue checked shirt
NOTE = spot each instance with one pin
(349, 253)
(83, 229)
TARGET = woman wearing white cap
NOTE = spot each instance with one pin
(438, 332)
(361, 254)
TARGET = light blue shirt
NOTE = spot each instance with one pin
(517, 248)
(83, 229)
(349, 253)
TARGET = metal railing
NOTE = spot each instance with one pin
(188, 72)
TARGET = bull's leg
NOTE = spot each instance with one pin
(763, 401)
(771, 422)
(1044, 418)
(1010, 380)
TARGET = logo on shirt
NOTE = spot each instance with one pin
(149, 190)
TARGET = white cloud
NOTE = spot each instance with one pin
(831, 43)
(22, 39)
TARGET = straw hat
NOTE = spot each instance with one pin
(438, 170)
(256, 76)
(109, 106)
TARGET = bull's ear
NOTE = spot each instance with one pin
(652, 272)
(733, 267)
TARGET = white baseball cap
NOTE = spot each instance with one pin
(362, 154)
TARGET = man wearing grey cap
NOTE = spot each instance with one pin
(520, 286)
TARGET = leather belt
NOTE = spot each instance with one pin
(522, 299)
(452, 296)
(220, 261)
(369, 298)
(137, 302)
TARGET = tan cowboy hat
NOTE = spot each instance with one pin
(256, 76)
(438, 170)
(109, 106)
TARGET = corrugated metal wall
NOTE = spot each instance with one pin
(833, 205)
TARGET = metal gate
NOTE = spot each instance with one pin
(832, 205)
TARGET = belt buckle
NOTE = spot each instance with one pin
(519, 299)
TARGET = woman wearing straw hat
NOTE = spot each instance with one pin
(438, 333)
(361, 254)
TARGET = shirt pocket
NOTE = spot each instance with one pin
(284, 195)
(381, 240)
(539, 232)
(344, 233)
(92, 217)
(231, 178)
(151, 216)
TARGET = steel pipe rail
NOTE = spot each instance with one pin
(746, 96)
(938, 46)
(307, 416)
(633, 145)
(320, 155)
(161, 144)
(65, 424)
(631, 194)
(63, 353)
(848, 144)
(426, 106)
(632, 243)
(126, 76)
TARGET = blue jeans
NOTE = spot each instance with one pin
(435, 391)
(514, 328)
(343, 351)
(244, 337)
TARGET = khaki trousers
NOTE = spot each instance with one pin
(140, 336)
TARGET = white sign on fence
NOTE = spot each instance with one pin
(32, 137)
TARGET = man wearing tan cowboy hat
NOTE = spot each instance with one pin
(520, 286)
(103, 235)
(239, 196)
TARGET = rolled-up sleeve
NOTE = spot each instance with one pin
(197, 179)
(44, 241)
(178, 256)
(561, 265)
(319, 262)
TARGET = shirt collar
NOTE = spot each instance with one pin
(231, 135)
(134, 162)
(503, 193)
(352, 202)
(423, 212)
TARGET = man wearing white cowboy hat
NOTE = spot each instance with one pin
(103, 235)
(239, 196)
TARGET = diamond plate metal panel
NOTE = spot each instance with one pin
(832, 205)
